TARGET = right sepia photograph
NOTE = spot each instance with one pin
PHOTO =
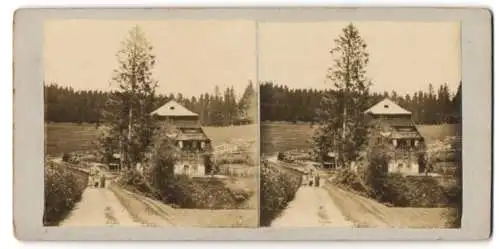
(360, 124)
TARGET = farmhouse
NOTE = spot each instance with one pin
(193, 145)
(394, 128)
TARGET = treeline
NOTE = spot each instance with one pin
(432, 106)
(65, 104)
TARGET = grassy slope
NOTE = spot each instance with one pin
(68, 137)
(365, 212)
(282, 136)
(432, 133)
(159, 214)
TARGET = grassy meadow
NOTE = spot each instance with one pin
(278, 137)
(70, 137)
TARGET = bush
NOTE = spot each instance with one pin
(408, 191)
(202, 193)
(160, 164)
(443, 156)
(349, 180)
(210, 193)
(63, 189)
(277, 188)
(73, 158)
(135, 181)
(66, 157)
(281, 156)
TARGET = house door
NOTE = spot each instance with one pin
(421, 167)
(208, 165)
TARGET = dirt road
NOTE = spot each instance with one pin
(312, 207)
(99, 207)
(113, 205)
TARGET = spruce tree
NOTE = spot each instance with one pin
(342, 114)
(127, 111)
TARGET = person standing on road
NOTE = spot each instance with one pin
(102, 180)
(93, 174)
(311, 178)
(316, 180)
(304, 179)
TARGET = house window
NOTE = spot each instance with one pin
(180, 144)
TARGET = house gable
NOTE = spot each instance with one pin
(387, 107)
(173, 109)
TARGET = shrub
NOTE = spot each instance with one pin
(160, 163)
(135, 181)
(408, 191)
(347, 179)
(66, 157)
(277, 189)
(208, 160)
(443, 156)
(203, 193)
(281, 156)
(63, 189)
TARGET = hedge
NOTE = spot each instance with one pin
(63, 189)
(182, 191)
(403, 191)
(277, 188)
(397, 190)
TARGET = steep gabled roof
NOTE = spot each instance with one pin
(172, 108)
(387, 107)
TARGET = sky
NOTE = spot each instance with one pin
(194, 55)
(404, 56)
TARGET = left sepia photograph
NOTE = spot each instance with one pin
(150, 123)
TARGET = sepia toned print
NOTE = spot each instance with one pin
(360, 124)
(150, 123)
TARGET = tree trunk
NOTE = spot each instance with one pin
(343, 134)
(129, 137)
(122, 152)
